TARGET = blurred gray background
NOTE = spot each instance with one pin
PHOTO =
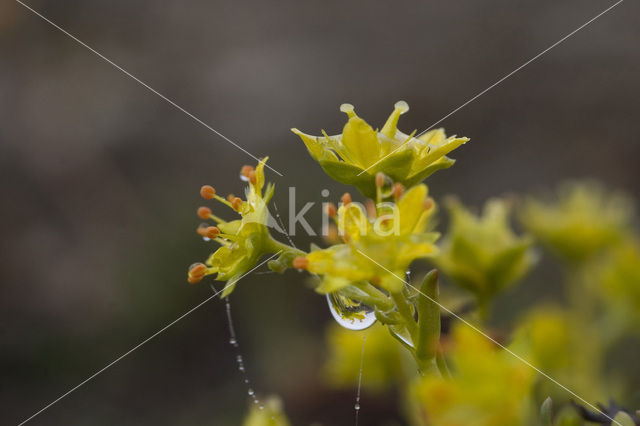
(100, 177)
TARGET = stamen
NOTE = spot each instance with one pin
(379, 179)
(230, 198)
(398, 190)
(211, 232)
(236, 203)
(207, 192)
(370, 206)
(245, 170)
(346, 198)
(252, 177)
(204, 212)
(428, 203)
(331, 210)
(300, 263)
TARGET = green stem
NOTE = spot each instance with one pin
(405, 311)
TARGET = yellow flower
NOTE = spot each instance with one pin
(584, 220)
(243, 241)
(392, 240)
(482, 253)
(360, 152)
(489, 386)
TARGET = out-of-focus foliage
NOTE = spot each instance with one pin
(583, 220)
(482, 253)
(269, 414)
(619, 278)
(491, 387)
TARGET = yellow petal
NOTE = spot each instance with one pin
(410, 208)
(360, 142)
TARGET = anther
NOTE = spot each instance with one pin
(379, 179)
(230, 198)
(346, 198)
(428, 203)
(211, 232)
(204, 212)
(252, 177)
(300, 263)
(207, 192)
(236, 203)
(193, 280)
(245, 170)
(398, 190)
(331, 210)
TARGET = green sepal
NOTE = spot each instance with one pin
(443, 163)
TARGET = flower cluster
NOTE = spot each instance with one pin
(360, 152)
(376, 249)
(243, 241)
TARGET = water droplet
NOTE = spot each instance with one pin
(408, 275)
(233, 341)
(357, 406)
(246, 381)
(244, 178)
(349, 313)
(250, 392)
(324, 192)
(241, 368)
(239, 359)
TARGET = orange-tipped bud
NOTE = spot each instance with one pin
(331, 210)
(204, 212)
(300, 263)
(346, 198)
(236, 203)
(379, 179)
(245, 170)
(428, 203)
(398, 190)
(252, 177)
(211, 232)
(207, 192)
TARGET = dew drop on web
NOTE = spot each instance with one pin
(244, 178)
(349, 313)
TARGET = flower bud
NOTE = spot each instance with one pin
(207, 192)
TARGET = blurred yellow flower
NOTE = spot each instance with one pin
(482, 253)
(271, 414)
(584, 220)
(489, 386)
(380, 252)
(360, 152)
